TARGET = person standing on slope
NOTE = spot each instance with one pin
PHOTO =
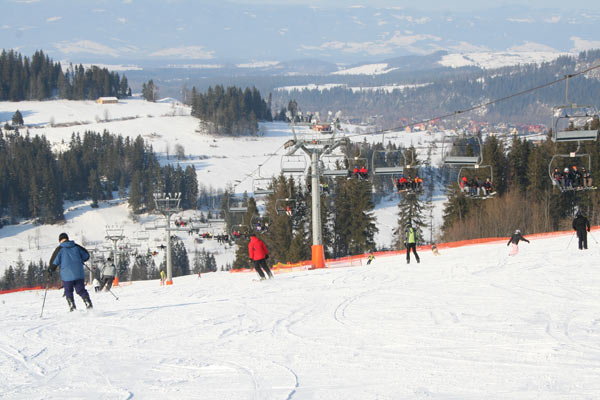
(108, 274)
(410, 242)
(513, 242)
(582, 225)
(70, 257)
(258, 253)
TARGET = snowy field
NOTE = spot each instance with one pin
(469, 324)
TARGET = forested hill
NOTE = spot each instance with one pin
(40, 78)
(427, 94)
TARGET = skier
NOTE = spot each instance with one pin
(258, 253)
(582, 225)
(108, 274)
(96, 285)
(70, 257)
(370, 258)
(514, 242)
(435, 250)
(163, 277)
(410, 242)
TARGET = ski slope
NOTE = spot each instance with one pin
(471, 323)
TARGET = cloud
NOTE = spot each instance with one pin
(533, 47)
(86, 46)
(122, 20)
(412, 20)
(53, 19)
(580, 44)
(521, 20)
(553, 20)
(379, 47)
(187, 52)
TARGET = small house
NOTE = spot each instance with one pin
(107, 100)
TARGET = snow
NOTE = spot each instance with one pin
(471, 323)
(367, 69)
(219, 161)
(490, 60)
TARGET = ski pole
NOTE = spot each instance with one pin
(570, 240)
(110, 291)
(593, 237)
(45, 293)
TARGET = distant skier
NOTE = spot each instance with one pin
(513, 242)
(70, 257)
(370, 258)
(108, 274)
(258, 253)
(410, 242)
(163, 277)
(96, 285)
(435, 250)
(582, 225)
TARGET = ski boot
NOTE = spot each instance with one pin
(71, 303)
(88, 303)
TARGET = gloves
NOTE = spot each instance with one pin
(588, 230)
(267, 257)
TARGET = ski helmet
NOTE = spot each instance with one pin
(518, 231)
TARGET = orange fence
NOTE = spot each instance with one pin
(304, 265)
(21, 289)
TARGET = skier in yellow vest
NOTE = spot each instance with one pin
(163, 277)
(411, 243)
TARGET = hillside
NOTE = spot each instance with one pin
(468, 324)
(219, 162)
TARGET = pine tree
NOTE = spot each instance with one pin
(17, 119)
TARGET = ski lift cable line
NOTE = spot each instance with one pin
(478, 106)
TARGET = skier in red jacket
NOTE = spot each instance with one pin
(258, 253)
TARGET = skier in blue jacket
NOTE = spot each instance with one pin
(70, 257)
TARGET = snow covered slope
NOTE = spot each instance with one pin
(489, 60)
(218, 161)
(471, 323)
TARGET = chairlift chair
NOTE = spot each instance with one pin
(554, 163)
(239, 231)
(334, 165)
(572, 123)
(285, 206)
(463, 169)
(262, 186)
(387, 162)
(260, 223)
(462, 159)
(236, 204)
(293, 164)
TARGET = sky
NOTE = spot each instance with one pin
(245, 31)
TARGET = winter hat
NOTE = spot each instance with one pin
(518, 231)
(578, 214)
(63, 236)
(109, 259)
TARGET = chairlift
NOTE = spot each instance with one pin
(260, 223)
(285, 206)
(334, 165)
(239, 231)
(574, 123)
(236, 204)
(464, 172)
(568, 162)
(449, 150)
(387, 162)
(293, 164)
(262, 186)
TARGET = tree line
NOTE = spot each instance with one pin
(35, 181)
(40, 78)
(230, 111)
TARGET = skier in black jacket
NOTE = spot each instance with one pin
(516, 237)
(582, 225)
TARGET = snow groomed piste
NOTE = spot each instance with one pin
(470, 323)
